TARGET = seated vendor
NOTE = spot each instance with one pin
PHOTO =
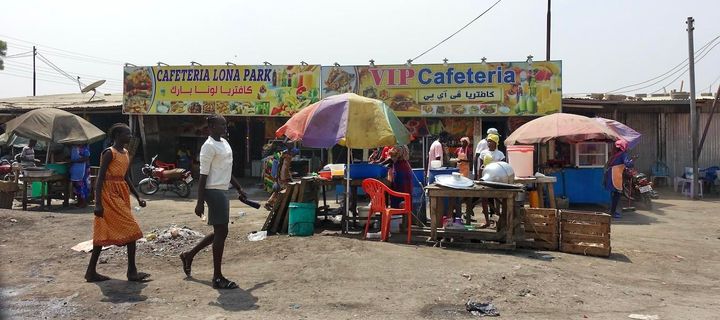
(27, 155)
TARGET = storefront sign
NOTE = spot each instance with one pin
(455, 90)
(227, 90)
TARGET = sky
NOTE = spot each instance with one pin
(603, 45)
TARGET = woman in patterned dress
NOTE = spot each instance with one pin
(114, 223)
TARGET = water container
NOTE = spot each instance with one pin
(520, 159)
(302, 219)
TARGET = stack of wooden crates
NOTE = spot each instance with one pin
(569, 231)
(304, 190)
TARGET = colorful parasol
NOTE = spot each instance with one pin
(624, 132)
(347, 119)
(561, 126)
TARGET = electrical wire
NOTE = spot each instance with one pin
(687, 69)
(54, 75)
(88, 76)
(37, 78)
(711, 84)
(18, 55)
(668, 73)
(456, 32)
(68, 52)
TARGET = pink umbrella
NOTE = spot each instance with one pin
(561, 126)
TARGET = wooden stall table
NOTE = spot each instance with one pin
(44, 196)
(542, 183)
(506, 197)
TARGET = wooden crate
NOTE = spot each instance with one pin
(540, 229)
(585, 233)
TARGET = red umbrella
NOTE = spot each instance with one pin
(561, 126)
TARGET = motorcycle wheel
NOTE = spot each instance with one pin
(149, 188)
(182, 189)
(647, 201)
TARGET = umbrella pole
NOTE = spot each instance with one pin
(347, 190)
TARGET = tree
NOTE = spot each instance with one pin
(3, 52)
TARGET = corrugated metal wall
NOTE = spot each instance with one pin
(647, 125)
(678, 142)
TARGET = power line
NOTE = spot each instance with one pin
(63, 50)
(42, 72)
(456, 32)
(28, 65)
(18, 55)
(683, 73)
(40, 79)
(698, 52)
(711, 84)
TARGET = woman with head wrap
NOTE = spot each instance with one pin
(400, 173)
(464, 156)
(613, 178)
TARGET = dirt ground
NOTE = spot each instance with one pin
(665, 262)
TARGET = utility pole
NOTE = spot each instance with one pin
(34, 54)
(547, 43)
(694, 123)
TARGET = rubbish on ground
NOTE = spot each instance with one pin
(295, 306)
(257, 235)
(643, 317)
(13, 220)
(468, 276)
(524, 293)
(86, 246)
(151, 237)
(485, 309)
(373, 235)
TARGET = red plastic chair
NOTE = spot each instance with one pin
(376, 190)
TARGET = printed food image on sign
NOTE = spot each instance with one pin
(138, 90)
(228, 90)
(339, 80)
(455, 90)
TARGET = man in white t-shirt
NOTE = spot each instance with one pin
(216, 163)
(437, 150)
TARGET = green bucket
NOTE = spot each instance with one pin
(37, 189)
(302, 219)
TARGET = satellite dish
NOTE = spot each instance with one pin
(92, 87)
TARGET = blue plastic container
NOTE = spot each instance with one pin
(367, 170)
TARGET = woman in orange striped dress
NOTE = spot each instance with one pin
(114, 223)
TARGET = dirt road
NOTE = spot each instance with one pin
(665, 262)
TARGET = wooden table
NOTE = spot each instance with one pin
(45, 181)
(505, 196)
(542, 183)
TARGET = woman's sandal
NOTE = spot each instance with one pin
(222, 283)
(187, 264)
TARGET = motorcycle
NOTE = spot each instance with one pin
(6, 170)
(160, 178)
(637, 186)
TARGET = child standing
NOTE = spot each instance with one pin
(114, 223)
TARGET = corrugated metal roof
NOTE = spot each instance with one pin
(654, 101)
(74, 101)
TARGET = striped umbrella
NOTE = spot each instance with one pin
(348, 119)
